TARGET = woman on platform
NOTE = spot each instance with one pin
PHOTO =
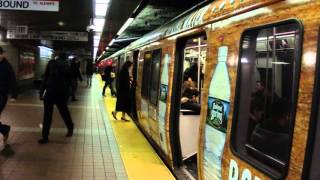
(123, 91)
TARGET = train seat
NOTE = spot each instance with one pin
(189, 132)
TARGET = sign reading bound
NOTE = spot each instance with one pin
(30, 5)
(50, 35)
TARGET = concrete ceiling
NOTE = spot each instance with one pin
(149, 15)
(75, 14)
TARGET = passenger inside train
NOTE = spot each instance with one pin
(272, 135)
(189, 99)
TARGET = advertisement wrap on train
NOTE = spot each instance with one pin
(163, 103)
(234, 172)
(216, 123)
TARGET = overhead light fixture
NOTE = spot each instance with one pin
(102, 1)
(98, 24)
(96, 42)
(61, 23)
(125, 26)
(101, 9)
(280, 63)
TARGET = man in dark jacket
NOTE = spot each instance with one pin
(55, 91)
(75, 75)
(108, 80)
(7, 84)
(89, 72)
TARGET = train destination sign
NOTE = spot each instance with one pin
(30, 5)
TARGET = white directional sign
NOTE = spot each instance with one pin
(30, 5)
(50, 35)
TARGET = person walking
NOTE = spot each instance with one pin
(7, 85)
(123, 91)
(108, 78)
(75, 76)
(89, 72)
(55, 91)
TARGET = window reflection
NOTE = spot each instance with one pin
(266, 93)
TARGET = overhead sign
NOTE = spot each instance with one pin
(50, 35)
(64, 35)
(30, 5)
(23, 30)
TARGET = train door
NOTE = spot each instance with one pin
(133, 90)
(188, 101)
(312, 159)
(150, 94)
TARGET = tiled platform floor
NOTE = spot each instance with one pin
(91, 153)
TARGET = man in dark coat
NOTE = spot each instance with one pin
(108, 80)
(89, 72)
(7, 84)
(75, 75)
(55, 91)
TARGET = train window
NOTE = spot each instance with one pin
(146, 75)
(266, 96)
(155, 76)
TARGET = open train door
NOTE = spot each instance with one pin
(185, 122)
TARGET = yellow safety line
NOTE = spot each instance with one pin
(140, 160)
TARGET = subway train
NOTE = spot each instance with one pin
(230, 90)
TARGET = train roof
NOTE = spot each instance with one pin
(201, 14)
(185, 21)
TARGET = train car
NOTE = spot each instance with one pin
(229, 90)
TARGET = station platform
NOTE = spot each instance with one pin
(101, 148)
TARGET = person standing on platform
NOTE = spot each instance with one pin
(89, 72)
(55, 91)
(7, 84)
(123, 91)
(108, 78)
(75, 75)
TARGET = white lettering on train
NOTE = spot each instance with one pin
(234, 172)
(14, 4)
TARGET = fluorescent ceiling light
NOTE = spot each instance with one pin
(101, 9)
(96, 37)
(244, 60)
(102, 1)
(95, 50)
(96, 42)
(125, 26)
(280, 63)
(99, 22)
